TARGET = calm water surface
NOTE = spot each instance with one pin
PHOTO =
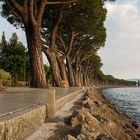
(126, 99)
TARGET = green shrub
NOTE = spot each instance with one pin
(4, 76)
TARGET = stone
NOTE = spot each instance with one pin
(101, 119)
(103, 137)
(2, 130)
(69, 137)
(87, 105)
(96, 102)
(81, 137)
(97, 120)
(23, 125)
(138, 135)
(77, 130)
(135, 124)
(128, 128)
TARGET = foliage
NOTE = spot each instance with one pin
(13, 64)
(48, 73)
(87, 18)
(13, 56)
(3, 41)
(79, 33)
(4, 76)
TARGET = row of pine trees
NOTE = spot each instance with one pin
(68, 32)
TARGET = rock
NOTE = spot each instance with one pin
(81, 137)
(77, 130)
(98, 120)
(87, 105)
(128, 128)
(103, 137)
(96, 103)
(135, 124)
(101, 119)
(87, 94)
(84, 97)
(69, 137)
(138, 135)
(70, 118)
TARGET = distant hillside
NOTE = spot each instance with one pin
(134, 79)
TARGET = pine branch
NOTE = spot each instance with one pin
(62, 2)
(41, 11)
(31, 11)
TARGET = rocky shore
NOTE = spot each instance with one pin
(95, 118)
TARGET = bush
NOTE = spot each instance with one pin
(4, 76)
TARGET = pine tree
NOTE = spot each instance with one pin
(3, 40)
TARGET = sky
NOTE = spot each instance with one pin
(9, 29)
(121, 54)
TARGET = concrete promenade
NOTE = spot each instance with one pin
(16, 98)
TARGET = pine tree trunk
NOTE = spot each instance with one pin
(84, 78)
(54, 67)
(70, 72)
(63, 71)
(80, 77)
(76, 77)
(38, 78)
(62, 68)
(15, 80)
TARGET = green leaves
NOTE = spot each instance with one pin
(14, 64)
(4, 76)
(3, 41)
(13, 56)
(48, 72)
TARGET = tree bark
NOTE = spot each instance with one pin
(80, 76)
(70, 72)
(25, 12)
(77, 71)
(80, 79)
(76, 78)
(76, 75)
(54, 66)
(62, 69)
(38, 78)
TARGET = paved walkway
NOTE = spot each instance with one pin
(12, 99)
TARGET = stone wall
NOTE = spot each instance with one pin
(62, 101)
(19, 125)
(23, 125)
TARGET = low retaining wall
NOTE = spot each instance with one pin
(19, 125)
(62, 101)
(54, 105)
(17, 128)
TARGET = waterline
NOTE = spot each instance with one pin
(126, 99)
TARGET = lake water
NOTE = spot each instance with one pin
(126, 99)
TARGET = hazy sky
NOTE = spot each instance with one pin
(9, 29)
(121, 54)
